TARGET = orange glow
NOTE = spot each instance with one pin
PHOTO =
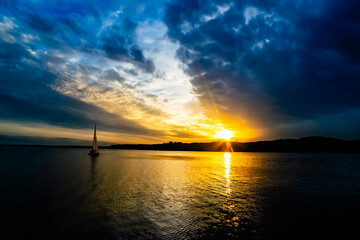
(224, 134)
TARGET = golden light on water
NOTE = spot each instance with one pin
(227, 165)
(224, 134)
(227, 158)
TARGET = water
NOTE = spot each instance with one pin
(62, 193)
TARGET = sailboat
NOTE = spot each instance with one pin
(95, 148)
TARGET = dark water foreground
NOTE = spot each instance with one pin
(52, 193)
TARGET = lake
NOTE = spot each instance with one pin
(62, 193)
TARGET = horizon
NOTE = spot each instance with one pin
(184, 71)
(69, 142)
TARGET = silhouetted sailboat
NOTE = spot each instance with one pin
(95, 148)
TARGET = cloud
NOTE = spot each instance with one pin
(111, 74)
(77, 26)
(71, 88)
(6, 27)
(277, 67)
(271, 63)
(26, 95)
(42, 44)
(118, 43)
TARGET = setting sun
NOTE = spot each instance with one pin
(224, 134)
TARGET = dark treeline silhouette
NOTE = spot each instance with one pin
(306, 144)
(176, 146)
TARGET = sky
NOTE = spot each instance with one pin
(187, 70)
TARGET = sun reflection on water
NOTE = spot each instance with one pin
(227, 164)
(232, 220)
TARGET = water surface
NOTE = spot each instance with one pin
(62, 193)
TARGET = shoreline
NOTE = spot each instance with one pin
(301, 145)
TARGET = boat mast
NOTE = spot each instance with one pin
(95, 143)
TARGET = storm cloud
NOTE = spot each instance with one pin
(274, 63)
(25, 95)
(33, 41)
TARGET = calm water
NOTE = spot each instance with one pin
(52, 193)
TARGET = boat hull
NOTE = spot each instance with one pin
(94, 153)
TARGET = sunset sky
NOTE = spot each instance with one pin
(157, 71)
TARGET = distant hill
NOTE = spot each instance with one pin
(306, 144)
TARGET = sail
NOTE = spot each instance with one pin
(95, 143)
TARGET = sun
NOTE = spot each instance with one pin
(224, 134)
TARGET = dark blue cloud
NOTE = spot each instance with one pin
(276, 63)
(26, 96)
(53, 30)
(80, 26)
(118, 43)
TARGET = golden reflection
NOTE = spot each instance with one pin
(229, 204)
(227, 164)
(227, 158)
